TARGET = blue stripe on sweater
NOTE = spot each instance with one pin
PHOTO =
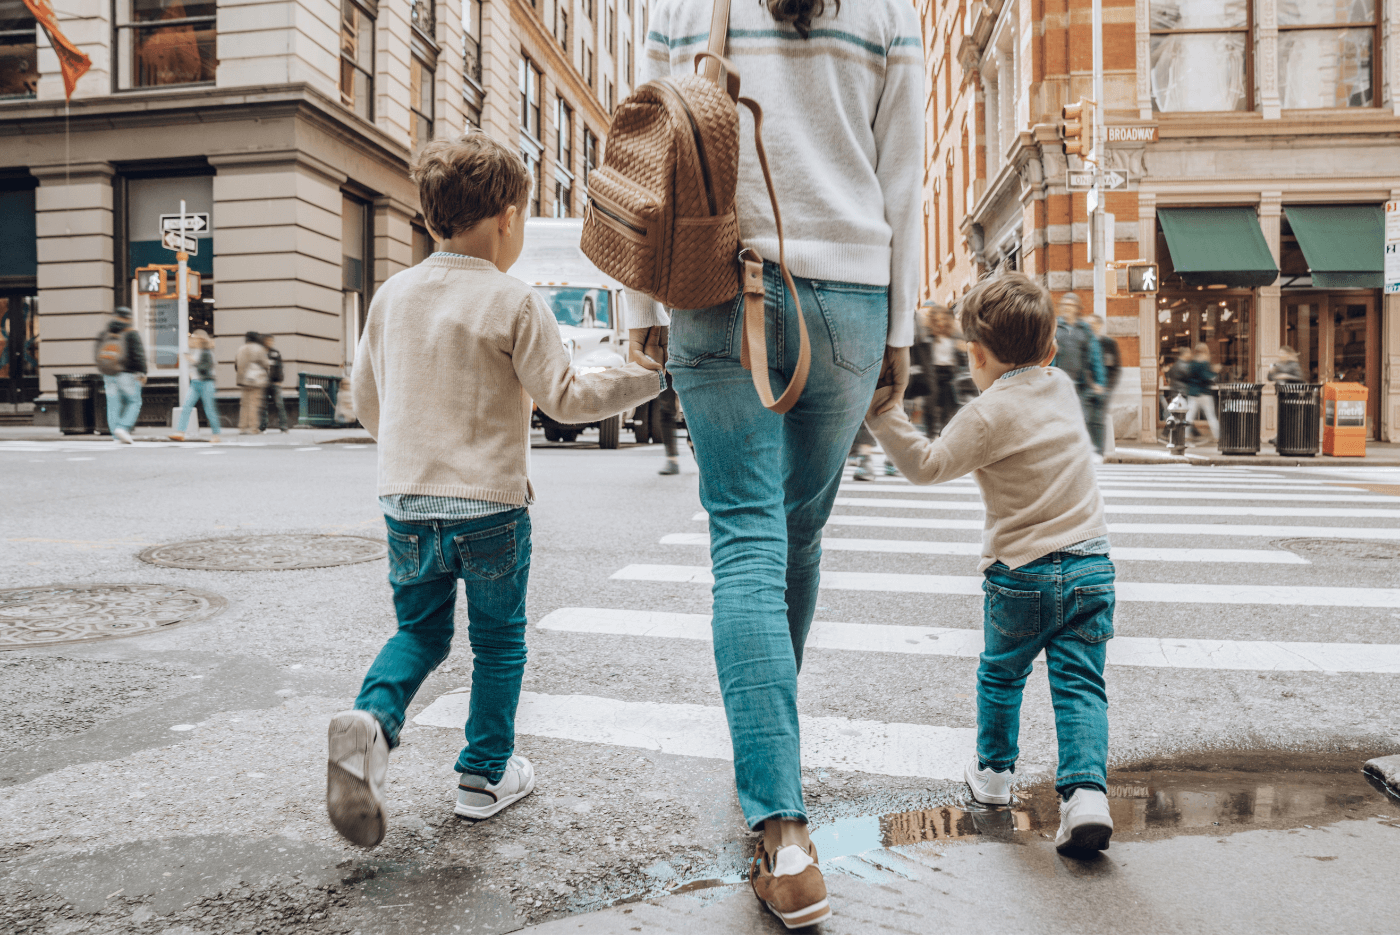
(837, 34)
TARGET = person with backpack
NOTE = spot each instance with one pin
(274, 404)
(1079, 355)
(252, 367)
(840, 86)
(121, 359)
(201, 387)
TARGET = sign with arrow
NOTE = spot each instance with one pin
(174, 240)
(194, 223)
(1082, 180)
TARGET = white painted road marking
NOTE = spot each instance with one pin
(1193, 494)
(1134, 591)
(1120, 553)
(700, 730)
(1155, 529)
(1252, 655)
(891, 503)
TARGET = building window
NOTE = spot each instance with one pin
(471, 41)
(421, 98)
(611, 27)
(19, 52)
(355, 241)
(357, 59)
(608, 94)
(530, 78)
(588, 9)
(1201, 55)
(1185, 320)
(564, 138)
(165, 42)
(531, 156)
(1326, 53)
(561, 25)
(563, 199)
(631, 68)
(423, 15)
(588, 65)
(590, 154)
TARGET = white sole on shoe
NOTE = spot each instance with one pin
(354, 808)
(486, 811)
(1085, 839)
(801, 918)
(969, 778)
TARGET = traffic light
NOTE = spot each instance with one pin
(1079, 122)
(150, 280)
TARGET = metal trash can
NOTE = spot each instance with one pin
(1299, 418)
(99, 406)
(1239, 417)
(317, 396)
(75, 403)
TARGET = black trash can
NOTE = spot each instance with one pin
(1299, 418)
(1239, 417)
(75, 403)
(99, 406)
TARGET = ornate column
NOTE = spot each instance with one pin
(1266, 328)
(1390, 41)
(1266, 58)
(1143, 37)
(1147, 320)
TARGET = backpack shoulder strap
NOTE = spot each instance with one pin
(719, 38)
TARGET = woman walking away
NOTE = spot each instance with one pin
(841, 88)
(1199, 403)
(949, 360)
(1286, 369)
(201, 386)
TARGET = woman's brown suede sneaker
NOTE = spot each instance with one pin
(790, 885)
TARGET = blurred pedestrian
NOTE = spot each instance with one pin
(274, 402)
(121, 359)
(201, 358)
(1112, 368)
(949, 361)
(851, 145)
(251, 366)
(643, 307)
(1200, 376)
(1286, 369)
(1080, 357)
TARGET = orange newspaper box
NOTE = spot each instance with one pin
(1344, 420)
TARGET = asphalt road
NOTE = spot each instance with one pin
(173, 782)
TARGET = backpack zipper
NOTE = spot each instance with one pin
(597, 205)
(699, 143)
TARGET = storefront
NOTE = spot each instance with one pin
(19, 302)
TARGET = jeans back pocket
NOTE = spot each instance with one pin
(403, 557)
(702, 334)
(1012, 613)
(857, 317)
(488, 554)
(1091, 612)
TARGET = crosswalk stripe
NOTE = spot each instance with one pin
(1156, 529)
(1252, 655)
(1120, 554)
(887, 749)
(1148, 509)
(1130, 591)
(1111, 493)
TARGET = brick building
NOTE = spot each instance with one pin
(1276, 130)
(291, 124)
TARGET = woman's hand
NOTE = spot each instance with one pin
(894, 379)
(644, 347)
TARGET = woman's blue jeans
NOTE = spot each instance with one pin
(768, 482)
(1062, 604)
(200, 391)
(491, 554)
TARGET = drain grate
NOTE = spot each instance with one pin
(78, 613)
(1342, 550)
(266, 553)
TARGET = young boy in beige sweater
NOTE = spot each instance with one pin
(1049, 581)
(453, 352)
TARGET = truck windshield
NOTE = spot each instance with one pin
(582, 308)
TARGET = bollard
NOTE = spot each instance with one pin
(1176, 425)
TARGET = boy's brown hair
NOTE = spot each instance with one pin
(1011, 316)
(462, 181)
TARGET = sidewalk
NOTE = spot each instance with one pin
(1378, 454)
(151, 433)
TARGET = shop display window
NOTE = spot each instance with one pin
(1222, 321)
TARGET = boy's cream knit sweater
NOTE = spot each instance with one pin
(1025, 443)
(452, 353)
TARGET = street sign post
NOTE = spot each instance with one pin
(174, 240)
(1392, 247)
(192, 223)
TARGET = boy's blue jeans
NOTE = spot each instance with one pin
(1062, 604)
(769, 482)
(491, 555)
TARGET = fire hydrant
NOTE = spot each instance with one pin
(1176, 425)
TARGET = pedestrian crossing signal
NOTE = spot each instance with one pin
(1143, 279)
(150, 280)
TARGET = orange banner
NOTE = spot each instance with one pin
(70, 58)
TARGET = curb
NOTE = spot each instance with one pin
(1154, 456)
(1386, 769)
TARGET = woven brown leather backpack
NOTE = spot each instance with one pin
(660, 216)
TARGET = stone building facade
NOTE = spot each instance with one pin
(1273, 140)
(291, 124)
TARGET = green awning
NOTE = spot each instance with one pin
(1343, 244)
(1218, 246)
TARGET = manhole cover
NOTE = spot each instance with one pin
(73, 614)
(266, 553)
(1343, 550)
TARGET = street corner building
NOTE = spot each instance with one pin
(1252, 145)
(287, 129)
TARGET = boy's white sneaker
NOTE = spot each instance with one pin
(1085, 825)
(988, 786)
(476, 798)
(357, 763)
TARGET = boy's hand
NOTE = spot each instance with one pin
(894, 379)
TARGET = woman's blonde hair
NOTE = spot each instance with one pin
(1287, 353)
(1203, 352)
(202, 336)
